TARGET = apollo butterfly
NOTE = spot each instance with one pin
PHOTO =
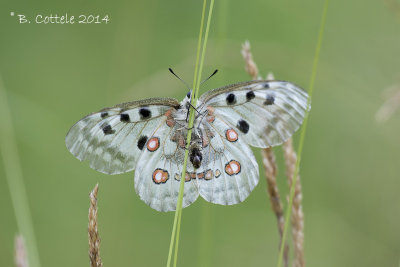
(150, 137)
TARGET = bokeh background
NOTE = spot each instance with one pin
(55, 74)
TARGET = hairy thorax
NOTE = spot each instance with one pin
(201, 133)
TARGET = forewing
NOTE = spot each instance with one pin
(266, 113)
(113, 139)
(157, 176)
(230, 171)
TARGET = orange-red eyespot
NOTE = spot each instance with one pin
(210, 115)
(209, 174)
(168, 113)
(192, 175)
(232, 167)
(200, 175)
(170, 122)
(217, 173)
(187, 176)
(160, 176)
(153, 144)
(231, 135)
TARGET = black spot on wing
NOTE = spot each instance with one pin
(107, 129)
(250, 95)
(243, 126)
(231, 99)
(145, 113)
(270, 100)
(141, 142)
(266, 85)
(124, 117)
(103, 115)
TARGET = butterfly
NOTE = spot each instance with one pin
(149, 136)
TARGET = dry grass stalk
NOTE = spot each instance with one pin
(21, 259)
(269, 162)
(394, 6)
(93, 234)
(251, 66)
(270, 169)
(297, 210)
(391, 104)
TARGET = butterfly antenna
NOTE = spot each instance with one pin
(185, 83)
(215, 72)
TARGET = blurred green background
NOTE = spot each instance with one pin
(55, 74)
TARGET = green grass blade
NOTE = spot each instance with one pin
(178, 212)
(303, 132)
(14, 177)
(190, 126)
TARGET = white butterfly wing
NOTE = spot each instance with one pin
(113, 139)
(141, 135)
(157, 175)
(230, 171)
(266, 113)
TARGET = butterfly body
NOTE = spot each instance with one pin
(150, 137)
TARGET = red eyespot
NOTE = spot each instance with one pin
(153, 144)
(188, 176)
(209, 174)
(160, 176)
(210, 114)
(200, 175)
(232, 167)
(231, 135)
(170, 120)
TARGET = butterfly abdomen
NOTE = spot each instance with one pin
(196, 157)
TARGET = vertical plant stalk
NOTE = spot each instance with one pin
(21, 259)
(297, 209)
(304, 128)
(196, 85)
(251, 66)
(15, 179)
(394, 6)
(190, 125)
(270, 169)
(93, 233)
(270, 166)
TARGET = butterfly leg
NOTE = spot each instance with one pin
(202, 115)
(188, 109)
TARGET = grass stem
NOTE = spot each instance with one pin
(196, 85)
(93, 233)
(15, 179)
(303, 131)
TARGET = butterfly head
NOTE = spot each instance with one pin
(186, 100)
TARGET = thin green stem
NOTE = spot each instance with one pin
(303, 132)
(203, 53)
(190, 126)
(177, 218)
(14, 177)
